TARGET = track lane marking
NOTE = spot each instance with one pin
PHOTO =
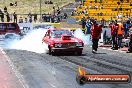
(18, 75)
(111, 49)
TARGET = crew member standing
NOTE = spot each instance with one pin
(96, 35)
(120, 33)
(114, 35)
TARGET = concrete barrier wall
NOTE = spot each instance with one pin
(25, 27)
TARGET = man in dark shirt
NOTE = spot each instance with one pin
(8, 17)
(2, 17)
(35, 17)
(15, 17)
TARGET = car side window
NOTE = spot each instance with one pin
(2, 27)
(47, 33)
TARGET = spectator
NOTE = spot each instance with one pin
(114, 36)
(26, 20)
(8, 17)
(120, 9)
(1, 14)
(127, 1)
(118, 3)
(75, 9)
(80, 7)
(127, 26)
(5, 9)
(51, 2)
(58, 11)
(102, 7)
(130, 3)
(15, 4)
(11, 15)
(96, 34)
(120, 15)
(101, 14)
(30, 17)
(52, 19)
(65, 15)
(103, 22)
(121, 1)
(96, 7)
(90, 7)
(35, 17)
(100, 1)
(15, 17)
(85, 7)
(20, 20)
(2, 17)
(72, 13)
(84, 12)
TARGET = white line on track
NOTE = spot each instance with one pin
(114, 50)
(52, 85)
(18, 75)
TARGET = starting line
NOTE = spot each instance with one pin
(109, 49)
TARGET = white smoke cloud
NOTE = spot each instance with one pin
(79, 34)
(31, 42)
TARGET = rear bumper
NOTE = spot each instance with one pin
(77, 49)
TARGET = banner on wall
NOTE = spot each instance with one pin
(25, 27)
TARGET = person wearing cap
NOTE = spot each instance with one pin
(96, 34)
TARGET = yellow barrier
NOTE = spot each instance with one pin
(57, 25)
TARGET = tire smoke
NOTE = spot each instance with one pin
(31, 42)
(79, 34)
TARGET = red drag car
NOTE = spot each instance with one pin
(62, 41)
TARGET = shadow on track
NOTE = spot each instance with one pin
(68, 54)
(100, 53)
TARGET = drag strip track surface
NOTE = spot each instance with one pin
(45, 71)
